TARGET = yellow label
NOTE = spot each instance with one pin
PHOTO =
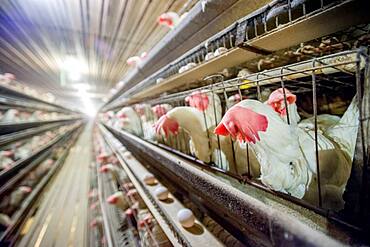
(248, 84)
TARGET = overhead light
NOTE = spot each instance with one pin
(74, 76)
(82, 86)
(74, 67)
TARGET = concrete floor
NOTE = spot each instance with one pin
(61, 219)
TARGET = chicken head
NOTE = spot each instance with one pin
(276, 100)
(198, 100)
(167, 125)
(242, 123)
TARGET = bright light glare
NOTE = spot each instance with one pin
(82, 86)
(74, 67)
(89, 108)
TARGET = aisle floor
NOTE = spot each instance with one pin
(61, 218)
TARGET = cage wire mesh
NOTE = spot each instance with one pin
(321, 105)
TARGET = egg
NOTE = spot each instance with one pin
(127, 155)
(149, 179)
(161, 193)
(186, 218)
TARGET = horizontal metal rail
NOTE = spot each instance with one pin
(255, 219)
(6, 128)
(13, 137)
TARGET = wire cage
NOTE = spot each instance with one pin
(253, 26)
(313, 150)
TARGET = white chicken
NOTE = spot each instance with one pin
(118, 199)
(198, 121)
(136, 60)
(286, 153)
(234, 99)
(113, 170)
(161, 109)
(18, 195)
(6, 160)
(170, 19)
(5, 221)
(11, 116)
(342, 130)
(22, 150)
(209, 104)
(148, 119)
(128, 120)
(277, 102)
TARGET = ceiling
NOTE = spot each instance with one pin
(39, 36)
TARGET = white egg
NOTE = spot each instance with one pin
(186, 217)
(127, 155)
(161, 193)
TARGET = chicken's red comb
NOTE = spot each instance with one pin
(25, 189)
(129, 211)
(113, 199)
(9, 76)
(198, 100)
(165, 19)
(167, 124)
(159, 110)
(242, 124)
(8, 153)
(104, 169)
(94, 205)
(132, 192)
(276, 100)
(278, 95)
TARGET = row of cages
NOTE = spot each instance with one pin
(259, 23)
(300, 131)
(19, 193)
(118, 214)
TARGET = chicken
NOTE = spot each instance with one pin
(97, 223)
(161, 109)
(134, 197)
(93, 193)
(207, 103)
(44, 167)
(5, 222)
(6, 160)
(286, 153)
(113, 170)
(18, 195)
(128, 120)
(193, 120)
(22, 152)
(118, 199)
(11, 116)
(276, 101)
(10, 203)
(170, 19)
(148, 119)
(136, 60)
(234, 99)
